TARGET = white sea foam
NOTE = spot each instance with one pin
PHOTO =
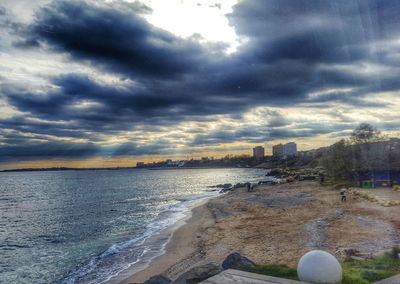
(138, 251)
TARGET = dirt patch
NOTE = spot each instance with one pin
(281, 201)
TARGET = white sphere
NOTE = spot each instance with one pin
(318, 266)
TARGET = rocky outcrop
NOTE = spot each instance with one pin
(225, 185)
(236, 261)
(158, 279)
(225, 190)
(198, 274)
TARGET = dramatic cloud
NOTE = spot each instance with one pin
(125, 87)
(119, 41)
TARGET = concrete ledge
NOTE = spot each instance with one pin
(236, 276)
(391, 280)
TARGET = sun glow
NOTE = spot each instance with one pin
(188, 18)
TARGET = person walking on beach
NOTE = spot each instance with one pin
(343, 194)
(321, 178)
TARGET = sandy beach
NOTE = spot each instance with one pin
(277, 225)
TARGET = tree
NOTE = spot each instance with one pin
(336, 161)
(369, 150)
(366, 150)
(365, 133)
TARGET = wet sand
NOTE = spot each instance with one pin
(277, 224)
(183, 250)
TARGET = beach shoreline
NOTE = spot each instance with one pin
(180, 245)
(275, 225)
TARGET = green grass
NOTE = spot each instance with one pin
(276, 270)
(370, 270)
(354, 271)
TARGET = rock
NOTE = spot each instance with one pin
(198, 274)
(353, 257)
(226, 185)
(346, 253)
(318, 266)
(236, 261)
(275, 172)
(158, 279)
(238, 185)
(225, 190)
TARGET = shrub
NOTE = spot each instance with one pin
(395, 252)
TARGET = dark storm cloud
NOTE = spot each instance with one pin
(294, 48)
(119, 41)
(153, 148)
(16, 145)
(278, 63)
(22, 147)
(266, 133)
(27, 149)
(113, 106)
(24, 125)
(346, 22)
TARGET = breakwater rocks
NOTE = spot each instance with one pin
(290, 175)
(203, 272)
(224, 185)
(387, 202)
(276, 176)
(229, 187)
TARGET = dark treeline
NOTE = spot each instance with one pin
(366, 150)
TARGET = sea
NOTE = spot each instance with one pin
(92, 226)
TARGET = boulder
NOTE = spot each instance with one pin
(238, 185)
(225, 190)
(318, 266)
(227, 185)
(236, 261)
(346, 253)
(358, 258)
(275, 172)
(199, 273)
(158, 279)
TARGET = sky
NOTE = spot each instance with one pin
(108, 83)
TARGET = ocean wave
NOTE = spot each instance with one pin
(121, 256)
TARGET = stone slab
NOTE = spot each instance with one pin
(232, 276)
(391, 280)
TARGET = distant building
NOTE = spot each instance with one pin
(139, 164)
(277, 150)
(290, 149)
(258, 152)
(284, 150)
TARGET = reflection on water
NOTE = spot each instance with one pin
(69, 225)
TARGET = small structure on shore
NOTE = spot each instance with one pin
(378, 178)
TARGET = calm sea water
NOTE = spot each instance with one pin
(86, 226)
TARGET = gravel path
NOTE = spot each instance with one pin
(316, 230)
